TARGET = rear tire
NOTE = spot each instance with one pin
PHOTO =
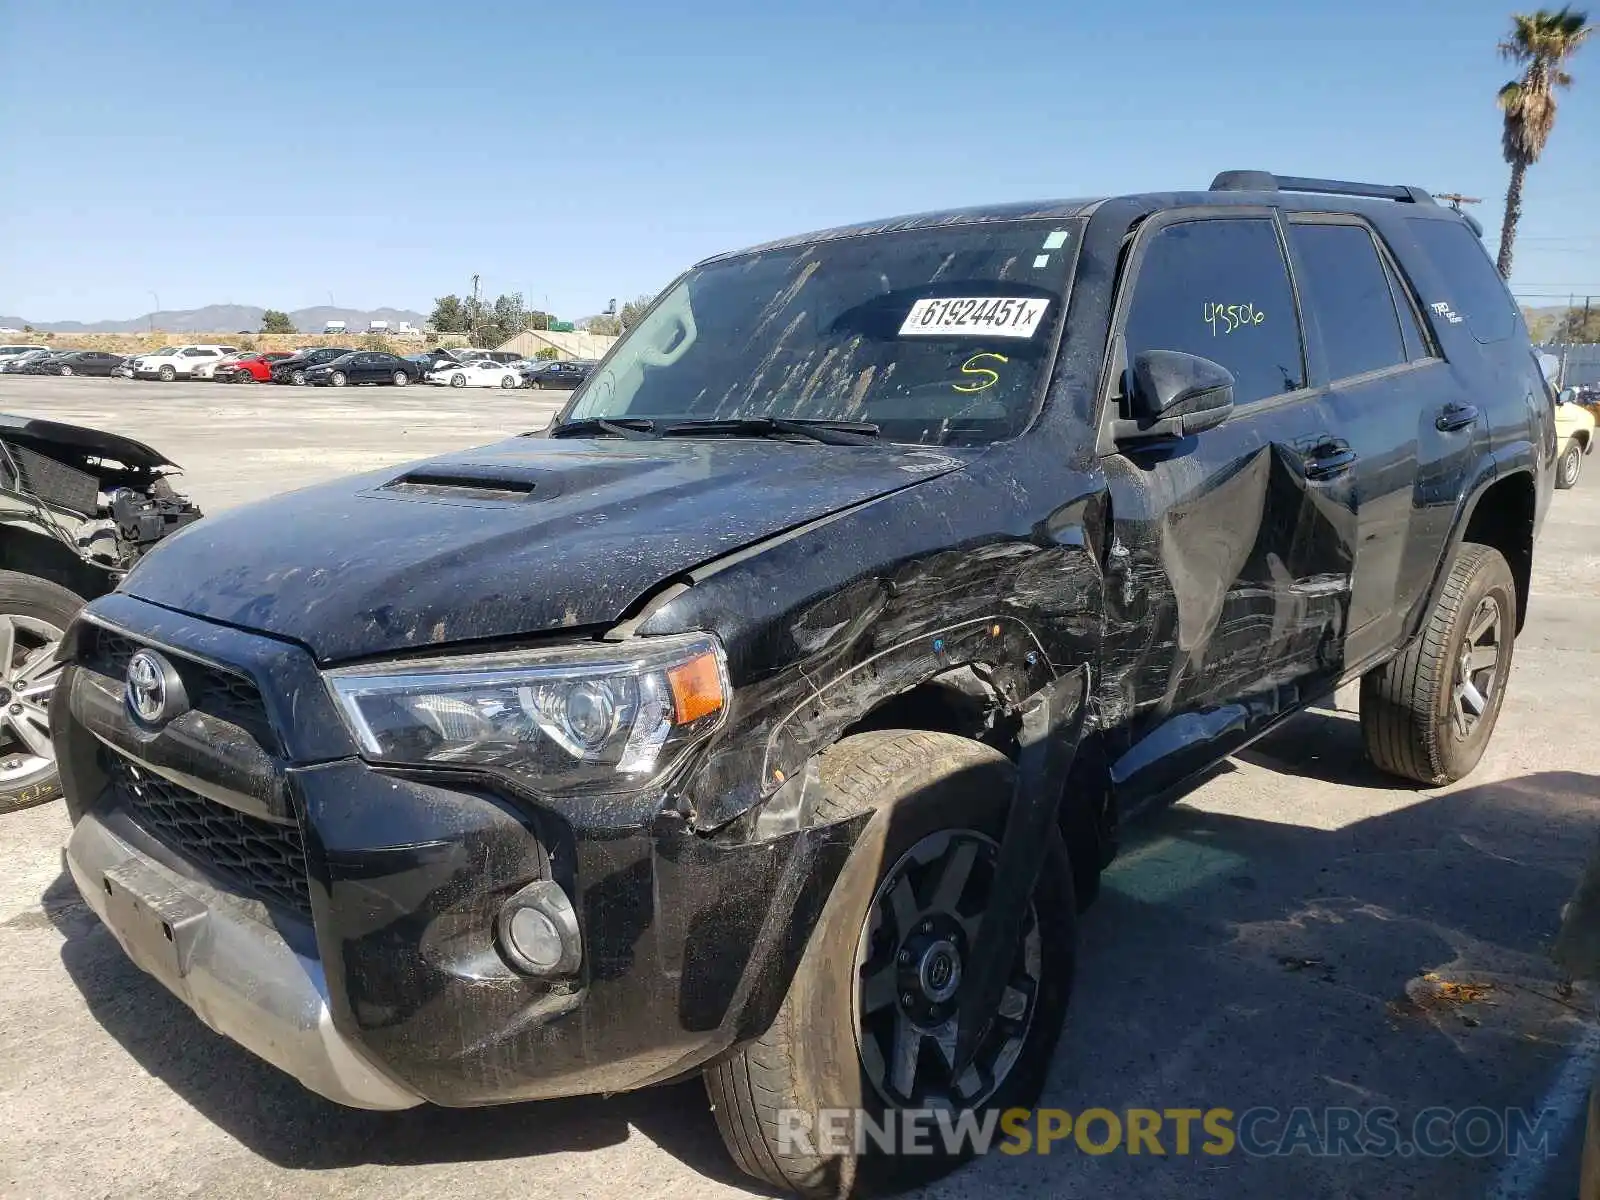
(337, 379)
(1428, 714)
(298, 378)
(924, 790)
(401, 379)
(508, 382)
(1569, 466)
(30, 605)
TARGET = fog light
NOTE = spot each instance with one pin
(538, 930)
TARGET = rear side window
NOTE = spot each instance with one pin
(1474, 292)
(1417, 344)
(1220, 289)
(1346, 293)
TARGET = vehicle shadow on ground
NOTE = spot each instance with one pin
(272, 1115)
(1228, 962)
(1323, 743)
(1236, 963)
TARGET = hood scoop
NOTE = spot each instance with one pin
(469, 484)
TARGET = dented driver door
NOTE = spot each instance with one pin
(1228, 569)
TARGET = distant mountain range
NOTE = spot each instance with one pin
(221, 318)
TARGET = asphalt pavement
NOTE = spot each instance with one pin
(1300, 931)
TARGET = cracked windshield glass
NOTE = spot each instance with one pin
(938, 336)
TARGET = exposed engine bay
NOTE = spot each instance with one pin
(105, 497)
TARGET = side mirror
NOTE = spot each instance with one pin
(1567, 396)
(1174, 395)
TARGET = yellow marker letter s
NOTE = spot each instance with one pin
(970, 367)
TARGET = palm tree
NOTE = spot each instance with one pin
(1543, 41)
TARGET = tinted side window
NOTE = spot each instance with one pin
(1417, 345)
(1220, 289)
(1475, 292)
(1347, 298)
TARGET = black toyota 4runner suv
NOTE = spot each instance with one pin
(772, 713)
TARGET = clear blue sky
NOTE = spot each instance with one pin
(272, 153)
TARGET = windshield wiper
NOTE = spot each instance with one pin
(832, 433)
(634, 429)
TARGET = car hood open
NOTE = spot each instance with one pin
(75, 444)
(521, 537)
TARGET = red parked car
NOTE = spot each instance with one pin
(251, 368)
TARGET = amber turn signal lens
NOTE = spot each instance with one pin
(696, 688)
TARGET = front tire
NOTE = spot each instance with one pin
(1427, 714)
(34, 613)
(868, 1021)
(1570, 465)
(337, 379)
(166, 374)
(64, 372)
(458, 381)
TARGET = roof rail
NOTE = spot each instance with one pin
(1266, 181)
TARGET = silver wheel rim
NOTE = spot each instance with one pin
(909, 969)
(29, 669)
(338, 379)
(1477, 668)
(507, 382)
(1569, 464)
(401, 379)
(458, 381)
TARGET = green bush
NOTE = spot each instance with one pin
(548, 354)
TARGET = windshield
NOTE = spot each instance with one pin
(937, 336)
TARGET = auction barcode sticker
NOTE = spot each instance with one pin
(975, 316)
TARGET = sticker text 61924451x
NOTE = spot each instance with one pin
(975, 316)
(1229, 318)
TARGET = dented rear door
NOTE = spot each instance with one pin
(1228, 571)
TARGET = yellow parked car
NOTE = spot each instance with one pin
(1574, 436)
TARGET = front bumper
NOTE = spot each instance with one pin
(385, 952)
(230, 965)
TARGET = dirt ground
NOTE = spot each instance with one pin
(1300, 931)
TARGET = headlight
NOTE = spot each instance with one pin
(592, 718)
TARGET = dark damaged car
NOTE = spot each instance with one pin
(78, 507)
(771, 715)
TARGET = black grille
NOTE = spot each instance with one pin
(245, 854)
(222, 694)
(55, 482)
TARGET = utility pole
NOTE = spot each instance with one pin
(1457, 199)
(474, 310)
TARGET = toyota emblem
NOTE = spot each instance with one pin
(154, 689)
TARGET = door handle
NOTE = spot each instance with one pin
(1328, 460)
(1454, 417)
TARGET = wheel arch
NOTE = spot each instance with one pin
(1502, 515)
(30, 553)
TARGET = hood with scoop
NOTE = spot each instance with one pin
(521, 537)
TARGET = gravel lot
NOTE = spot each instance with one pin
(1256, 945)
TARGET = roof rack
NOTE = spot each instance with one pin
(1266, 181)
